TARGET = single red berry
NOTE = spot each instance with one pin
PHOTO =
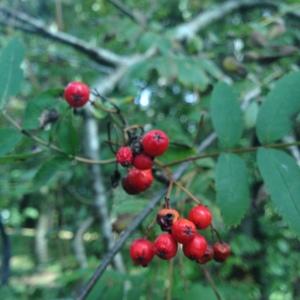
(201, 216)
(141, 252)
(137, 181)
(77, 94)
(195, 248)
(165, 246)
(221, 251)
(143, 161)
(166, 217)
(155, 142)
(207, 256)
(124, 156)
(128, 187)
(183, 231)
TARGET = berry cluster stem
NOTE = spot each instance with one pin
(186, 191)
(211, 283)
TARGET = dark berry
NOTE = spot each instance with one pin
(183, 231)
(141, 252)
(124, 156)
(128, 187)
(77, 94)
(166, 217)
(221, 251)
(201, 216)
(143, 161)
(207, 256)
(195, 248)
(165, 246)
(155, 142)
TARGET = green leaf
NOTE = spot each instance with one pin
(49, 170)
(191, 73)
(232, 188)
(11, 75)
(67, 134)
(226, 115)
(281, 175)
(251, 115)
(275, 116)
(38, 105)
(9, 137)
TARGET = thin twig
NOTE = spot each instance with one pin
(53, 147)
(211, 283)
(235, 150)
(181, 187)
(170, 280)
(135, 16)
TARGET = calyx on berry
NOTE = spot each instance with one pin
(137, 181)
(141, 252)
(201, 216)
(183, 231)
(155, 142)
(165, 246)
(77, 94)
(124, 156)
(166, 217)
(142, 161)
(221, 251)
(207, 256)
(195, 248)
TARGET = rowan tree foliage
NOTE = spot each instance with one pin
(220, 78)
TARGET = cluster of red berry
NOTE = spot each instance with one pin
(183, 231)
(138, 156)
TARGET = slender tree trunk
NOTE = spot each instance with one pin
(92, 150)
(6, 254)
(41, 240)
(78, 242)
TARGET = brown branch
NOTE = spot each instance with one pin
(202, 20)
(236, 150)
(33, 25)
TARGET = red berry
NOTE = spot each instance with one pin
(124, 156)
(128, 188)
(221, 251)
(201, 216)
(143, 161)
(196, 248)
(183, 231)
(77, 94)
(137, 181)
(166, 217)
(155, 142)
(141, 252)
(165, 246)
(207, 256)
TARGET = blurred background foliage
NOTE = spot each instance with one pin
(45, 199)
